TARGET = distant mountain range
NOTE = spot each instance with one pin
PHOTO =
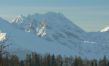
(55, 34)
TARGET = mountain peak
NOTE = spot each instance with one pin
(106, 29)
(18, 19)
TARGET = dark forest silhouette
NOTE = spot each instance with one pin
(35, 59)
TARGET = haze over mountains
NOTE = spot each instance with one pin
(55, 34)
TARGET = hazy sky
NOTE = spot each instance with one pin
(91, 15)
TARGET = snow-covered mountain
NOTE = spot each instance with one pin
(51, 20)
(101, 36)
(106, 29)
(25, 40)
(55, 34)
(52, 27)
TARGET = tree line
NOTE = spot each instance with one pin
(35, 59)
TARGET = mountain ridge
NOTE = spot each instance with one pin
(54, 34)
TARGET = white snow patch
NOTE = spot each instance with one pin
(89, 42)
(2, 36)
(41, 29)
(105, 29)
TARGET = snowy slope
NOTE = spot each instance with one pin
(106, 29)
(25, 40)
(53, 33)
(99, 45)
(101, 37)
(53, 27)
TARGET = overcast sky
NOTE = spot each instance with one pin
(90, 15)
